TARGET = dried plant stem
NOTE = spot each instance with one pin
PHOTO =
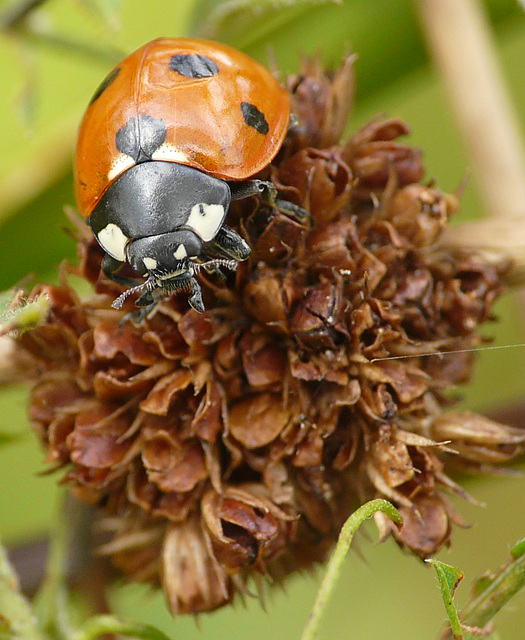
(461, 42)
(16, 616)
(498, 238)
(335, 564)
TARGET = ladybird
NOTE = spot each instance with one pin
(172, 135)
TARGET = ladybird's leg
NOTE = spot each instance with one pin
(136, 316)
(294, 211)
(195, 299)
(109, 268)
(147, 300)
(177, 284)
(247, 188)
(268, 193)
(147, 304)
(186, 283)
(227, 244)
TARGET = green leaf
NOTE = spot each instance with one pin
(8, 438)
(491, 593)
(449, 577)
(105, 624)
(18, 619)
(518, 549)
(240, 23)
(20, 316)
(107, 10)
(333, 569)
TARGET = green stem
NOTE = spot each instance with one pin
(107, 55)
(52, 597)
(15, 611)
(100, 625)
(507, 583)
(335, 564)
(15, 15)
(15, 20)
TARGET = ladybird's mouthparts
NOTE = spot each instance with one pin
(172, 281)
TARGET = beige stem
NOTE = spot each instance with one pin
(497, 239)
(462, 45)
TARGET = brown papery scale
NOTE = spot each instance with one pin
(236, 442)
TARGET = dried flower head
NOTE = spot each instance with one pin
(236, 442)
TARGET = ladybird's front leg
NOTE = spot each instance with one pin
(110, 266)
(148, 302)
(227, 244)
(185, 282)
(195, 300)
(268, 193)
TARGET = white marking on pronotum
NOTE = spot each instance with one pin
(181, 252)
(206, 220)
(168, 151)
(119, 165)
(113, 241)
(149, 263)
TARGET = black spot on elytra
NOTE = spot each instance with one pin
(141, 137)
(254, 118)
(104, 84)
(192, 65)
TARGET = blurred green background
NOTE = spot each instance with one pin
(44, 90)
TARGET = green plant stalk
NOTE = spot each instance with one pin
(100, 625)
(15, 609)
(52, 597)
(107, 55)
(481, 610)
(333, 570)
(15, 14)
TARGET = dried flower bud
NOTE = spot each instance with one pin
(373, 156)
(421, 213)
(321, 102)
(478, 440)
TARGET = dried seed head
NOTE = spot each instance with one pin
(237, 441)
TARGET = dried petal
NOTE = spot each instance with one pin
(258, 420)
(191, 577)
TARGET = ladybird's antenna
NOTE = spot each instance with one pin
(217, 262)
(149, 285)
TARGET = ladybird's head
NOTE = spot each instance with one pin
(165, 255)
(167, 221)
(170, 271)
